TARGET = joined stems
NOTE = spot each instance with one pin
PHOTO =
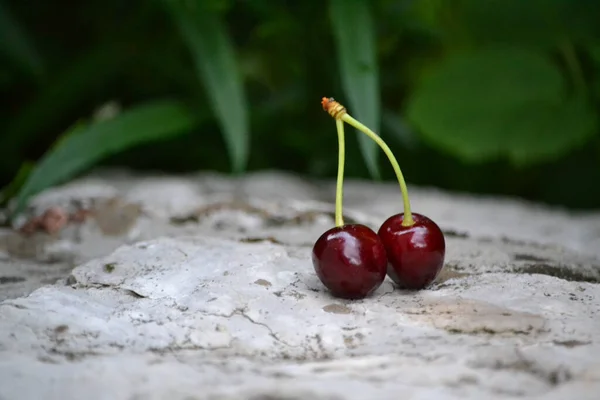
(408, 218)
(339, 189)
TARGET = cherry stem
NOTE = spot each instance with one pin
(408, 218)
(339, 190)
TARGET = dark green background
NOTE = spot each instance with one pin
(88, 53)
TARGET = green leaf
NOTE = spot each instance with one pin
(16, 44)
(27, 167)
(354, 31)
(84, 146)
(15, 185)
(552, 131)
(500, 102)
(213, 53)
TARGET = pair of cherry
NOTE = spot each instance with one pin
(352, 261)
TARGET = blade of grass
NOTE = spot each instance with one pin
(213, 54)
(17, 46)
(87, 145)
(13, 188)
(354, 32)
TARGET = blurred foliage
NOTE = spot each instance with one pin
(515, 97)
(85, 144)
(358, 68)
(485, 96)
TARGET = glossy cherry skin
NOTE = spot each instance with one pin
(350, 261)
(415, 253)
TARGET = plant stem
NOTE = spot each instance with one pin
(339, 189)
(408, 218)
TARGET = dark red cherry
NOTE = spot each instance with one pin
(415, 253)
(350, 261)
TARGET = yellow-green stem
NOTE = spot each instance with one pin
(408, 218)
(339, 190)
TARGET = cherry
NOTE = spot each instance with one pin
(350, 260)
(415, 253)
(414, 244)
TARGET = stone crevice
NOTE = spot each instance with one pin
(242, 312)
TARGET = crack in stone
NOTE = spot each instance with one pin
(187, 344)
(11, 279)
(570, 343)
(242, 312)
(491, 331)
(79, 355)
(558, 271)
(553, 377)
(270, 218)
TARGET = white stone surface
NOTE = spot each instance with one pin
(210, 294)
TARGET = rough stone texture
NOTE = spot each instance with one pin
(201, 287)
